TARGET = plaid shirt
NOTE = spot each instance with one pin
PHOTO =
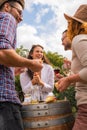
(7, 41)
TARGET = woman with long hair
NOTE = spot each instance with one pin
(38, 84)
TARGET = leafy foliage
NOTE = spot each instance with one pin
(22, 52)
(68, 94)
(18, 88)
(55, 59)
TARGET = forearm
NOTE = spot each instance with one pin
(41, 83)
(74, 78)
(49, 84)
(48, 87)
(9, 57)
(49, 81)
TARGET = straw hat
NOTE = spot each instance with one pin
(80, 15)
(19, 1)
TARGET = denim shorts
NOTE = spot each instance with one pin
(10, 116)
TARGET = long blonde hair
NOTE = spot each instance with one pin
(76, 28)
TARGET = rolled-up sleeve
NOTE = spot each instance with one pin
(49, 80)
(83, 74)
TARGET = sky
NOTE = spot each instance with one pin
(43, 23)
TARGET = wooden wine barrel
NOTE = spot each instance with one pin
(48, 116)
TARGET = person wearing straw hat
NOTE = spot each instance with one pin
(10, 16)
(77, 33)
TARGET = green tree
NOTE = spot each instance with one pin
(22, 52)
(55, 59)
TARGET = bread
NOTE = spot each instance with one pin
(34, 102)
(50, 99)
(56, 84)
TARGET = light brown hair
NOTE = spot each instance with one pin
(76, 28)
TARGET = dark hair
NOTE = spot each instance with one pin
(64, 31)
(45, 60)
(21, 2)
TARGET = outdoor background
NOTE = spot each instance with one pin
(44, 23)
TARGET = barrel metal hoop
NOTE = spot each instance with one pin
(44, 106)
(49, 112)
(49, 123)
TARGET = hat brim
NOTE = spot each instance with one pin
(67, 17)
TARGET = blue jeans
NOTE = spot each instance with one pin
(10, 116)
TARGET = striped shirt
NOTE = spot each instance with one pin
(7, 41)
